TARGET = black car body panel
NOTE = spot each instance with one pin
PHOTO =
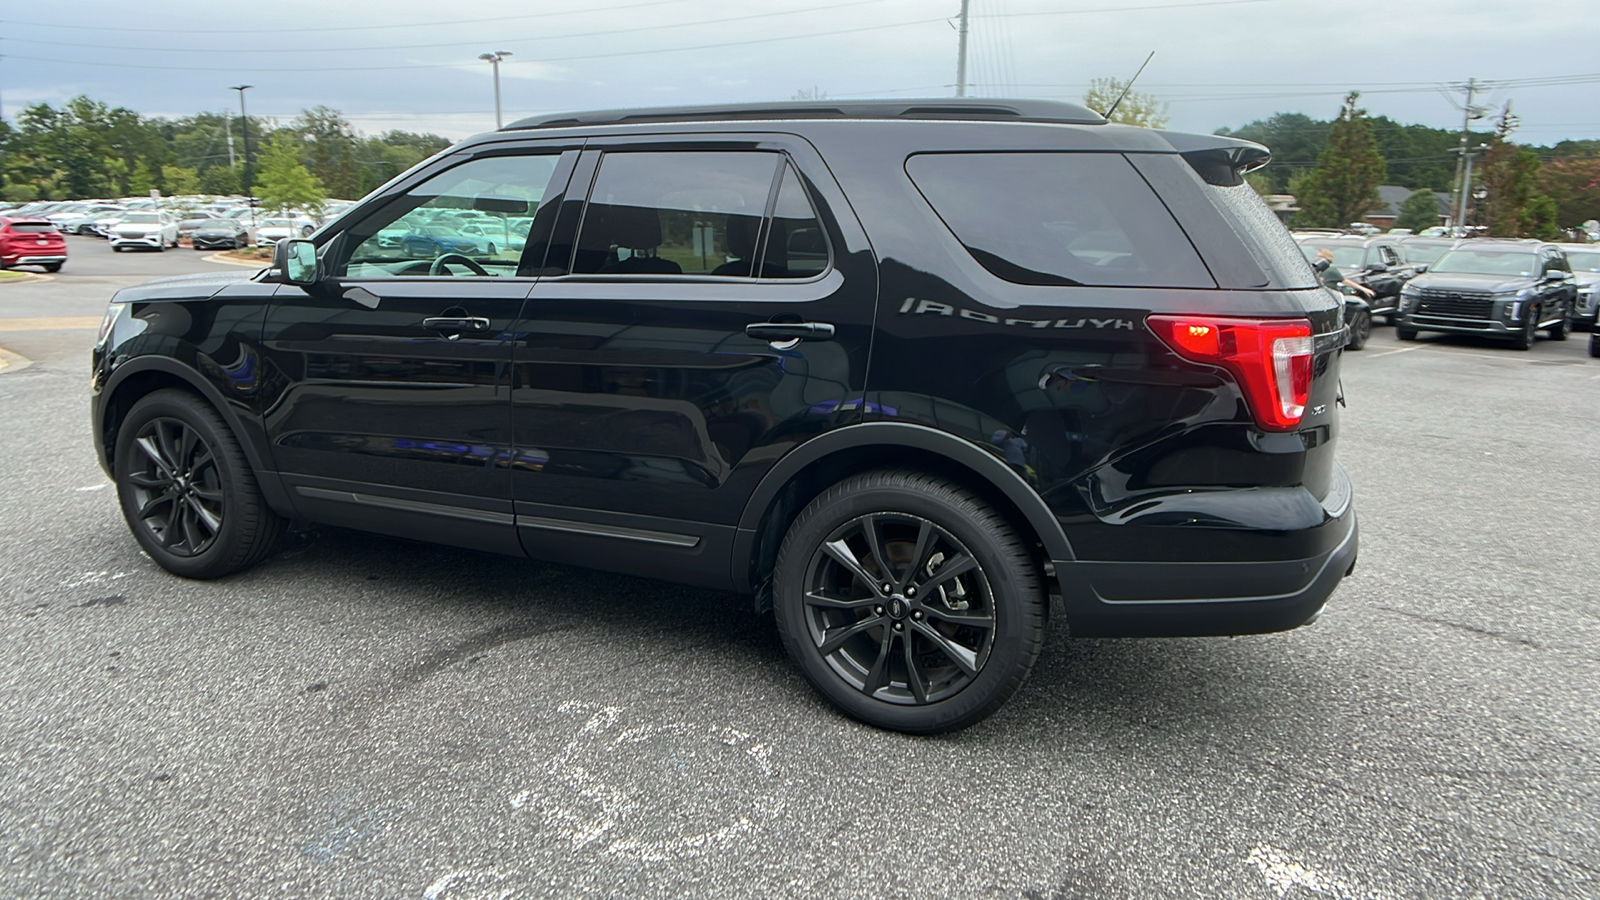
(629, 421)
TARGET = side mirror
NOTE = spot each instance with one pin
(1422, 268)
(295, 261)
(1378, 268)
(1554, 275)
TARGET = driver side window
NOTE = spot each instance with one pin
(472, 219)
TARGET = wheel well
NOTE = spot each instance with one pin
(818, 476)
(129, 392)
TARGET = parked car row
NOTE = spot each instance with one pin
(1505, 288)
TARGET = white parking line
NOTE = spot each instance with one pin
(1393, 352)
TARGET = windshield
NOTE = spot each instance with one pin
(139, 218)
(1488, 262)
(1344, 255)
(1585, 261)
(1425, 253)
(276, 223)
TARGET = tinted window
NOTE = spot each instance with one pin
(689, 213)
(33, 227)
(1059, 218)
(1345, 256)
(1487, 262)
(406, 236)
(1262, 235)
(795, 247)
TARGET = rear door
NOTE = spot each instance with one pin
(643, 409)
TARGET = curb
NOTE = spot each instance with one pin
(219, 258)
(11, 362)
(28, 277)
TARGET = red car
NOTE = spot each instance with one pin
(31, 242)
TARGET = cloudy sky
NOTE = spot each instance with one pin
(413, 64)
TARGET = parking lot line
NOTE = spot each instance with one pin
(1393, 352)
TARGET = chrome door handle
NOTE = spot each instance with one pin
(456, 324)
(790, 331)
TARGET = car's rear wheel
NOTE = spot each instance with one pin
(187, 490)
(1360, 329)
(52, 267)
(1594, 345)
(908, 602)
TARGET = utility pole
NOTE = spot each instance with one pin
(227, 129)
(244, 132)
(494, 59)
(1458, 188)
(961, 53)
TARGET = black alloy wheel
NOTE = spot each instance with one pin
(1563, 326)
(908, 602)
(1360, 329)
(176, 486)
(186, 488)
(1523, 340)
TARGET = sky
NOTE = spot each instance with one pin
(413, 64)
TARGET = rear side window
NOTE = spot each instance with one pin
(33, 227)
(1262, 235)
(1059, 219)
(677, 213)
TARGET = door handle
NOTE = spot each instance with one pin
(790, 331)
(456, 324)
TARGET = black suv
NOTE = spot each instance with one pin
(899, 371)
(1500, 288)
(1377, 263)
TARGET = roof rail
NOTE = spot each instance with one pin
(1046, 111)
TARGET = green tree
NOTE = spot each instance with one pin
(1295, 139)
(141, 180)
(1574, 186)
(282, 182)
(180, 180)
(1135, 109)
(19, 193)
(1509, 176)
(1343, 187)
(222, 180)
(1419, 211)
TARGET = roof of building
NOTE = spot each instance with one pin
(1392, 195)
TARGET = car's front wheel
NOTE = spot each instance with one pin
(1523, 340)
(1563, 326)
(1360, 329)
(908, 602)
(187, 490)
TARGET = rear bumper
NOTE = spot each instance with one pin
(34, 260)
(1207, 598)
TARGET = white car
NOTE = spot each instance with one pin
(84, 223)
(274, 229)
(144, 229)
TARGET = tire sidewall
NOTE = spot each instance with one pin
(218, 557)
(1012, 585)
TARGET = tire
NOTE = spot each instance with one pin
(1530, 332)
(52, 268)
(1360, 330)
(217, 523)
(161, 246)
(972, 641)
(1594, 345)
(1560, 330)
(1404, 333)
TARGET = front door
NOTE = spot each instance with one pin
(646, 407)
(392, 374)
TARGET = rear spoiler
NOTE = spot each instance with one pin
(1219, 160)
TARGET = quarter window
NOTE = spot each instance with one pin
(472, 219)
(1059, 219)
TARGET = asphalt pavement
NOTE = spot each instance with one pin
(367, 717)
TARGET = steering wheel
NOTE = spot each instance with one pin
(439, 264)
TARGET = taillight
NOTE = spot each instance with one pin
(1269, 358)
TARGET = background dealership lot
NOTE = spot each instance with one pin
(368, 717)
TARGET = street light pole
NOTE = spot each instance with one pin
(494, 59)
(244, 130)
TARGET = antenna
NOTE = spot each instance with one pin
(1129, 86)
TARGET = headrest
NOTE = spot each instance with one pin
(742, 235)
(633, 227)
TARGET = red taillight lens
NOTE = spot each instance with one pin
(1269, 358)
